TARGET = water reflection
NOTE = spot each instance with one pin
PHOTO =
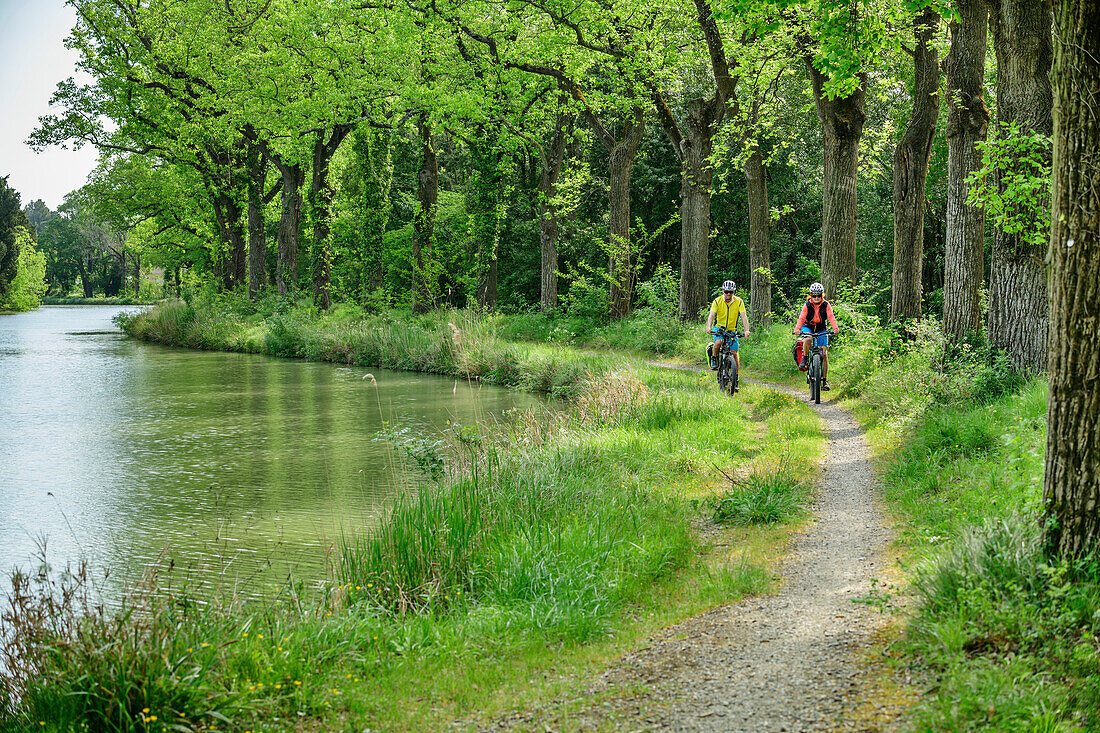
(242, 466)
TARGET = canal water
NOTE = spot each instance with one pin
(240, 470)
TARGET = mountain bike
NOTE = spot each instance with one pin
(815, 376)
(727, 363)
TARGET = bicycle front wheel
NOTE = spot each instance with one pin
(815, 379)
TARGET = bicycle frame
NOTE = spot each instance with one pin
(816, 376)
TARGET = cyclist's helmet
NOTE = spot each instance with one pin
(728, 286)
(817, 289)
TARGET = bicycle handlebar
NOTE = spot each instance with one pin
(719, 331)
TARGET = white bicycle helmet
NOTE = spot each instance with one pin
(817, 289)
(729, 286)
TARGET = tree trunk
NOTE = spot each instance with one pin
(696, 176)
(911, 171)
(424, 224)
(760, 275)
(486, 205)
(320, 200)
(967, 121)
(1017, 274)
(487, 286)
(286, 266)
(227, 212)
(320, 195)
(841, 128)
(551, 163)
(620, 165)
(137, 274)
(85, 278)
(704, 119)
(256, 169)
(1071, 487)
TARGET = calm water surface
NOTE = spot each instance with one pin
(242, 469)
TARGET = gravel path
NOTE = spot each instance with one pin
(785, 662)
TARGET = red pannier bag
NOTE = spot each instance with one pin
(796, 352)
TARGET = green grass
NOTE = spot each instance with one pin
(543, 548)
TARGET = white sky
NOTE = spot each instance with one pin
(33, 58)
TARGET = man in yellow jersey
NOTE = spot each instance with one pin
(723, 312)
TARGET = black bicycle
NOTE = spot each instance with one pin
(816, 374)
(727, 363)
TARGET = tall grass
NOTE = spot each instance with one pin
(71, 662)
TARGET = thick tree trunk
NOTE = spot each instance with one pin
(967, 122)
(256, 167)
(620, 165)
(841, 128)
(694, 146)
(1017, 274)
(911, 171)
(551, 162)
(487, 286)
(227, 212)
(760, 276)
(137, 274)
(286, 265)
(1071, 488)
(696, 177)
(424, 223)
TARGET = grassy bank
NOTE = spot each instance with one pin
(455, 343)
(543, 549)
(75, 300)
(1003, 638)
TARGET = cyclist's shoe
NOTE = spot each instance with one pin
(804, 364)
(736, 388)
(825, 384)
(714, 365)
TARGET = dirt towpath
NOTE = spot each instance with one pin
(784, 662)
